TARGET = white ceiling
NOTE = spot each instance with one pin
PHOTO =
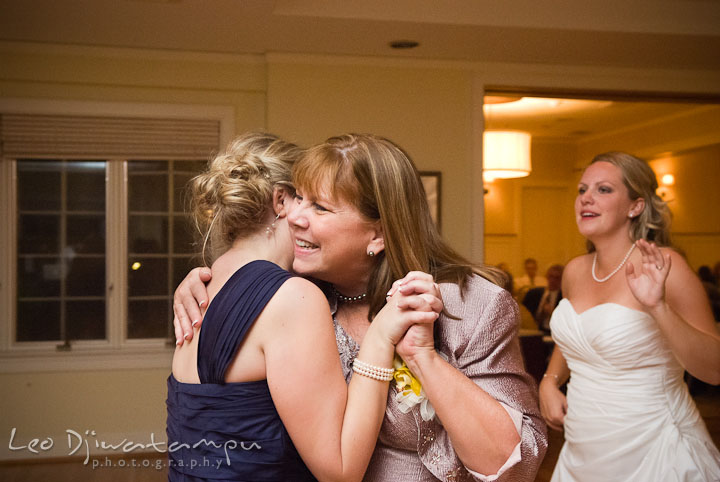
(656, 34)
(630, 33)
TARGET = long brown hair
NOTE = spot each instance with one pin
(379, 179)
(653, 223)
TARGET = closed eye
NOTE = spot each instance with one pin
(317, 207)
(320, 208)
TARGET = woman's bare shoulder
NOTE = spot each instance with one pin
(300, 298)
(681, 276)
(578, 262)
(574, 271)
(677, 256)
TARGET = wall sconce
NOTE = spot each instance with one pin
(666, 180)
(506, 154)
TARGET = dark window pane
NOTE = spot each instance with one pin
(85, 186)
(85, 320)
(148, 319)
(183, 236)
(148, 276)
(148, 234)
(85, 277)
(39, 185)
(181, 201)
(38, 234)
(181, 267)
(38, 320)
(86, 234)
(144, 166)
(148, 193)
(39, 277)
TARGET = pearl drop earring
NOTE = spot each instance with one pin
(269, 229)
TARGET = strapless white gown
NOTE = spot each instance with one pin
(630, 416)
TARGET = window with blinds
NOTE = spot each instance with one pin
(98, 234)
(92, 136)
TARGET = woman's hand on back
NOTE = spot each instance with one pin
(189, 303)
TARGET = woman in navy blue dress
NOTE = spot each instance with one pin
(259, 394)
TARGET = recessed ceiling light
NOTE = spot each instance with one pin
(404, 44)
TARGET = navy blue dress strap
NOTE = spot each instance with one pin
(233, 311)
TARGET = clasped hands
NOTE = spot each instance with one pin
(422, 295)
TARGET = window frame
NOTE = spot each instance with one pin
(116, 351)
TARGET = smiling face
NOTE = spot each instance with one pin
(603, 206)
(332, 240)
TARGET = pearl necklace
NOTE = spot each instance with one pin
(348, 299)
(602, 280)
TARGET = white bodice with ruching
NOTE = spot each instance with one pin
(630, 416)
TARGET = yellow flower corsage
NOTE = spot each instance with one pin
(410, 391)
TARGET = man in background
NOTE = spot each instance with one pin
(530, 280)
(541, 301)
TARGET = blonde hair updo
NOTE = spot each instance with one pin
(232, 198)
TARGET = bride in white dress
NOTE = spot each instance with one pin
(634, 318)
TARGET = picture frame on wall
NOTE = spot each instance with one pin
(432, 183)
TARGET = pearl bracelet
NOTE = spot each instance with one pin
(372, 371)
(367, 366)
(557, 378)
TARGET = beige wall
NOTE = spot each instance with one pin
(432, 109)
(695, 203)
(115, 75)
(114, 404)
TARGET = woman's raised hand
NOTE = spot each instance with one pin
(189, 303)
(648, 284)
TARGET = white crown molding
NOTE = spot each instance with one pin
(41, 48)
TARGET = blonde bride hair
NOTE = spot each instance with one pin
(653, 223)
